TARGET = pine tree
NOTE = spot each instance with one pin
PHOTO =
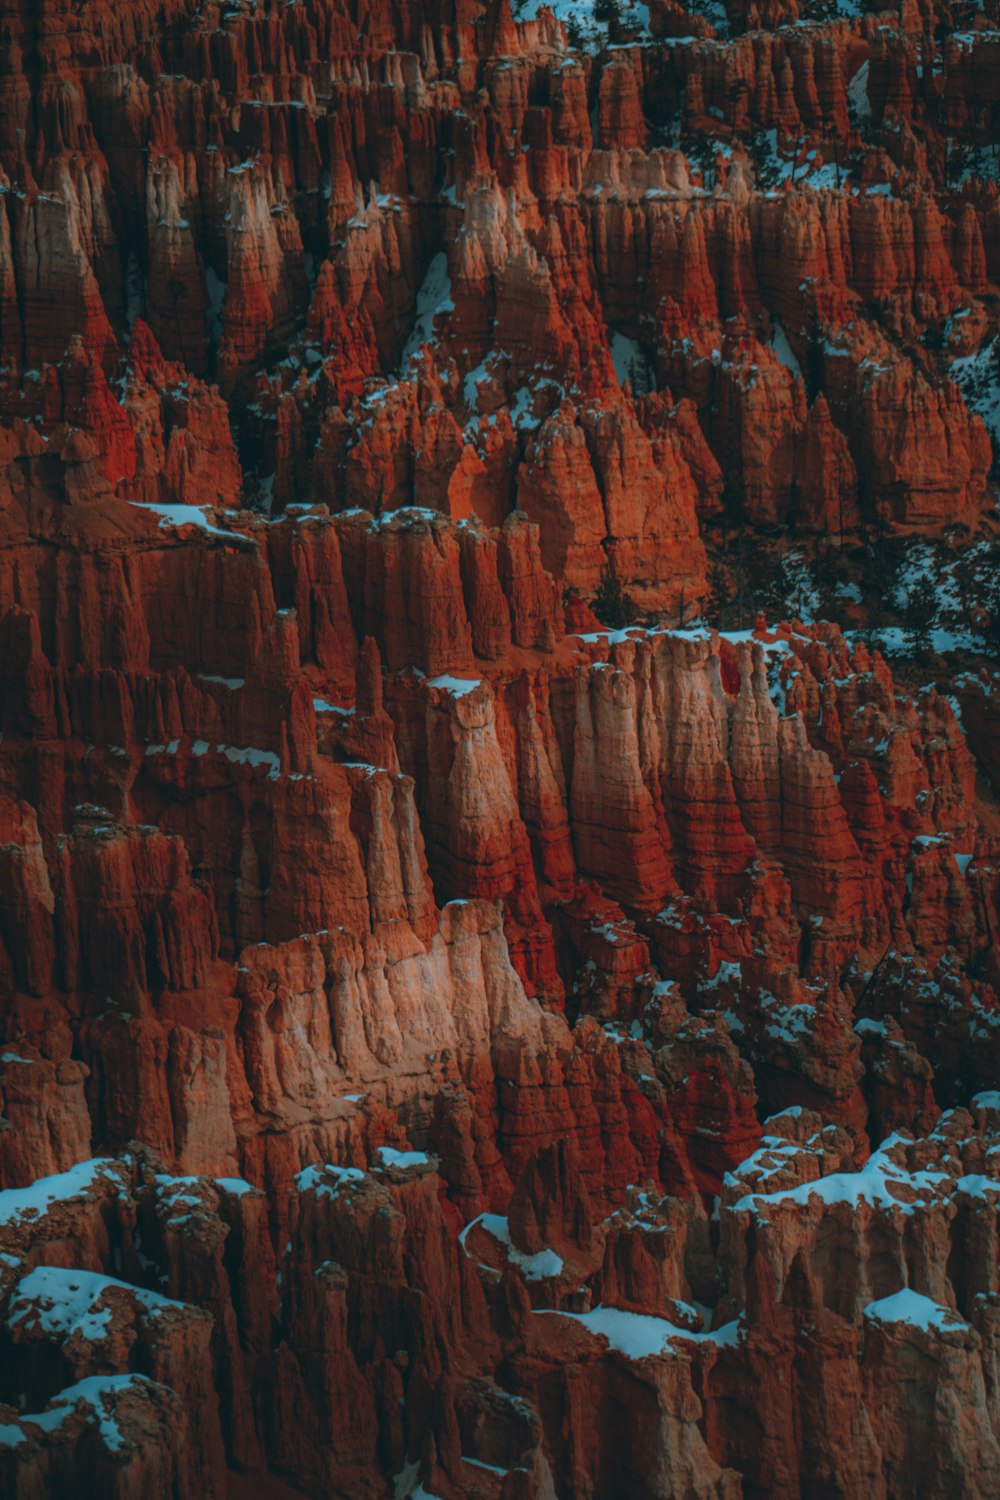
(612, 604)
(878, 579)
(989, 601)
(718, 595)
(919, 613)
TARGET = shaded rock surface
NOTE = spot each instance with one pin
(450, 1046)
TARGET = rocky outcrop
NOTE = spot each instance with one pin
(467, 1027)
(380, 1277)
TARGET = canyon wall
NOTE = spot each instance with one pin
(455, 1041)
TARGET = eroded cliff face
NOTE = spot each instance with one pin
(448, 1047)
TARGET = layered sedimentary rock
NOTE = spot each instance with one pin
(454, 1040)
(620, 892)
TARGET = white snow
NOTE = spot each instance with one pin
(406, 1487)
(726, 973)
(472, 382)
(95, 1391)
(183, 515)
(403, 513)
(922, 561)
(236, 1186)
(972, 161)
(772, 1156)
(433, 297)
(580, 19)
(781, 170)
(857, 95)
(178, 1203)
(978, 377)
(245, 755)
(535, 1267)
(63, 1302)
(881, 1183)
(248, 756)
(638, 1335)
(786, 1023)
(894, 641)
(611, 637)
(28, 1202)
(520, 412)
(632, 364)
(389, 1157)
(784, 350)
(907, 1306)
(317, 1179)
(60, 1302)
(457, 686)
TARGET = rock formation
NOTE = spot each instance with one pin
(467, 1026)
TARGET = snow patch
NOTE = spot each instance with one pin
(29, 1202)
(96, 1391)
(457, 686)
(63, 1302)
(183, 515)
(235, 1186)
(784, 350)
(881, 1183)
(248, 756)
(978, 377)
(639, 1335)
(857, 96)
(908, 1306)
(433, 297)
(632, 364)
(535, 1267)
(326, 1180)
(581, 19)
(390, 1157)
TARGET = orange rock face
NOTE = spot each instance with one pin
(467, 1027)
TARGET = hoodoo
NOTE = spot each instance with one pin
(499, 750)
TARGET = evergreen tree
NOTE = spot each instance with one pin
(768, 593)
(989, 603)
(878, 580)
(612, 604)
(741, 581)
(796, 586)
(969, 585)
(718, 595)
(919, 613)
